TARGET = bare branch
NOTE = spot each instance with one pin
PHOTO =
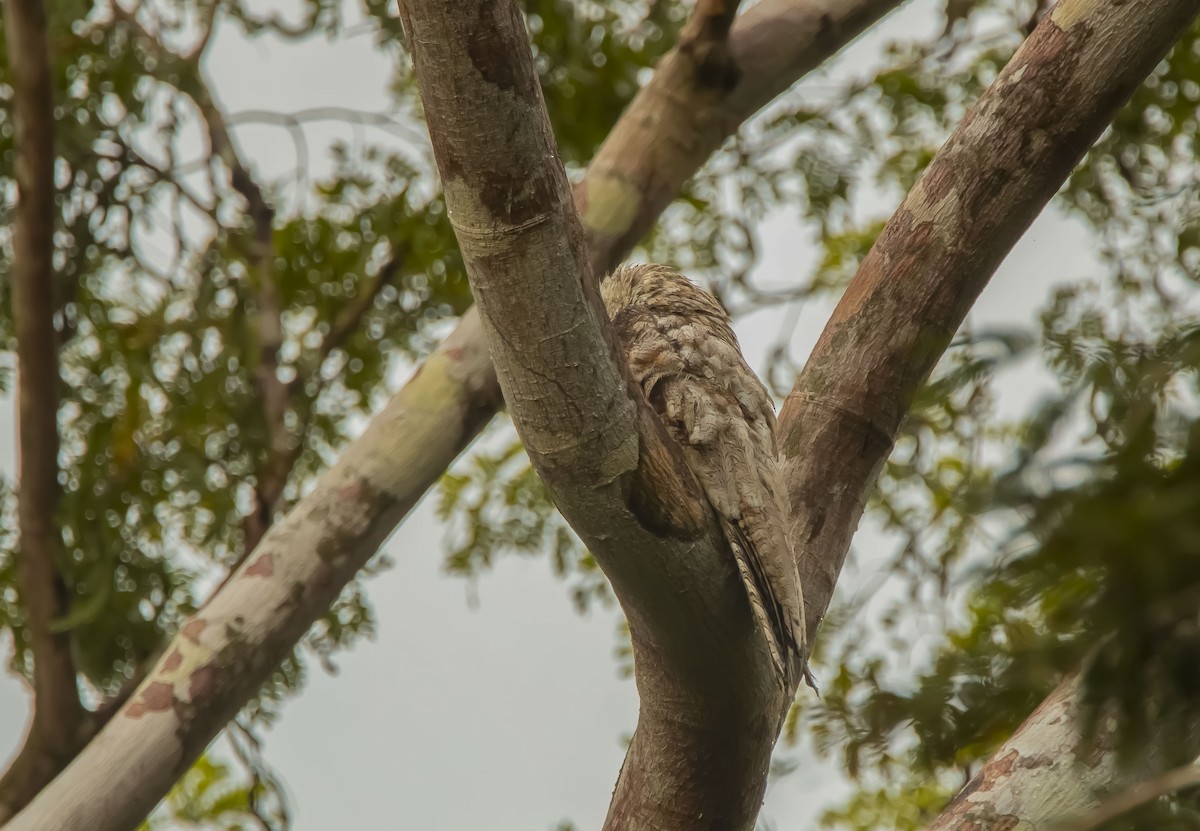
(365, 118)
(677, 121)
(985, 186)
(705, 39)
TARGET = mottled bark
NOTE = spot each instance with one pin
(1044, 774)
(987, 183)
(684, 114)
(224, 653)
(984, 187)
(54, 731)
(510, 209)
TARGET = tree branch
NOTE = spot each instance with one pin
(54, 732)
(984, 187)
(911, 293)
(301, 565)
(706, 692)
(1135, 796)
(705, 39)
(676, 121)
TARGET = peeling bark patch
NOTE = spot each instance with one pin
(202, 682)
(1066, 15)
(455, 354)
(192, 629)
(264, 566)
(1000, 767)
(173, 661)
(609, 204)
(155, 698)
(353, 492)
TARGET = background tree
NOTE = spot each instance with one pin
(213, 346)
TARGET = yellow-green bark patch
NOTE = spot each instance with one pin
(612, 204)
(1070, 12)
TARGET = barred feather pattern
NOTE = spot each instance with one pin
(680, 347)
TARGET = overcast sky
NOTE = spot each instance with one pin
(509, 715)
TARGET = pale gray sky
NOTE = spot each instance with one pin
(509, 715)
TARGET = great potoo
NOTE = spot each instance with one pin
(681, 350)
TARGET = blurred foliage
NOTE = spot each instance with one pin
(1023, 542)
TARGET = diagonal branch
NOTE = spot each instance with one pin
(1135, 796)
(984, 187)
(911, 293)
(223, 655)
(679, 119)
(992, 177)
(57, 713)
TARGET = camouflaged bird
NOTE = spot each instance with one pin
(681, 350)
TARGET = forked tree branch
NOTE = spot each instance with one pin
(705, 39)
(706, 693)
(54, 732)
(304, 561)
(508, 198)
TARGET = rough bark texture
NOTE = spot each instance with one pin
(985, 186)
(990, 180)
(697, 759)
(54, 732)
(979, 194)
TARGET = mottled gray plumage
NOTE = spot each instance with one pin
(682, 351)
